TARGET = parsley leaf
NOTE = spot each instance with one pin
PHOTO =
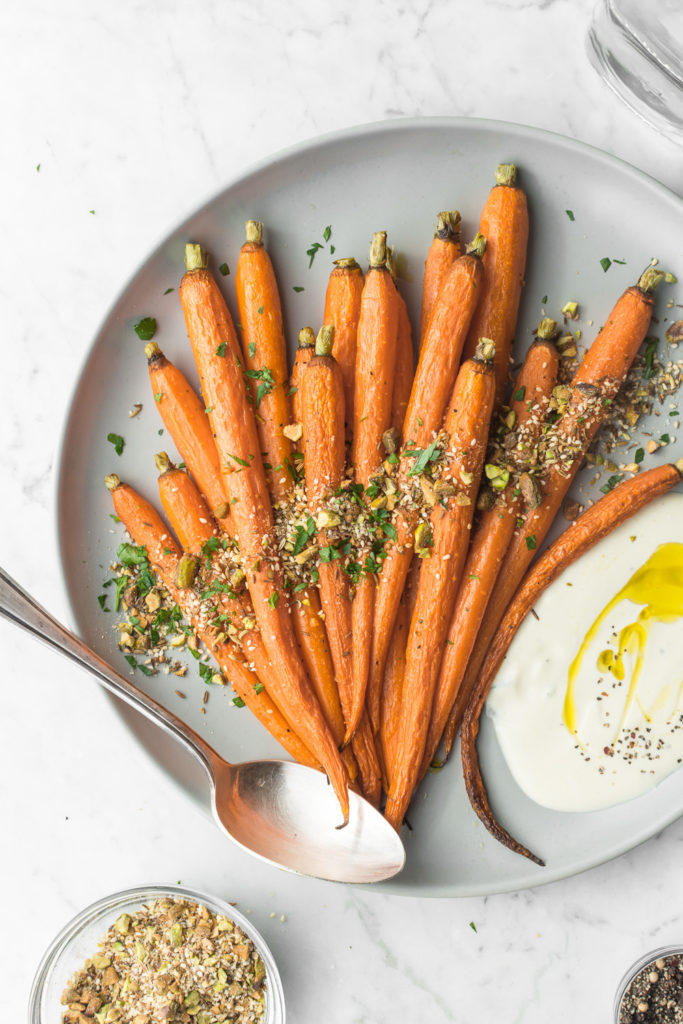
(315, 246)
(224, 269)
(238, 702)
(639, 456)
(117, 441)
(605, 263)
(265, 376)
(258, 687)
(422, 458)
(102, 598)
(168, 291)
(327, 232)
(220, 351)
(611, 483)
(570, 214)
(273, 600)
(650, 350)
(531, 542)
(252, 348)
(519, 394)
(238, 460)
(129, 554)
(145, 328)
(297, 288)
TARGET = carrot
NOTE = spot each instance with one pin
(505, 222)
(149, 531)
(184, 417)
(372, 410)
(265, 353)
(433, 383)
(467, 427)
(595, 383)
(342, 311)
(595, 523)
(491, 539)
(405, 357)
(443, 252)
(392, 692)
(304, 353)
(216, 351)
(322, 411)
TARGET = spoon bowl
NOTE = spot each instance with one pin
(282, 812)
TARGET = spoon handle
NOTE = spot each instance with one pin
(20, 608)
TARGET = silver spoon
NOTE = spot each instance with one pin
(282, 812)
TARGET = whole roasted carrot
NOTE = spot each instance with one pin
(467, 426)
(405, 356)
(392, 693)
(184, 417)
(342, 311)
(526, 418)
(434, 379)
(217, 354)
(595, 523)
(505, 223)
(372, 412)
(322, 412)
(265, 352)
(304, 353)
(595, 383)
(443, 252)
(150, 532)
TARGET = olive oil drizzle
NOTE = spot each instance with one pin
(658, 587)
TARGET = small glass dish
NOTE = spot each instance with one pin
(635, 969)
(78, 940)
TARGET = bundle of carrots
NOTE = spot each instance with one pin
(353, 537)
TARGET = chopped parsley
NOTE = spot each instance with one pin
(531, 542)
(129, 554)
(260, 309)
(665, 439)
(605, 263)
(158, 396)
(238, 460)
(145, 328)
(102, 599)
(639, 456)
(611, 483)
(650, 350)
(570, 214)
(145, 669)
(327, 232)
(544, 300)
(314, 248)
(472, 924)
(422, 457)
(117, 441)
(297, 288)
(238, 702)
(266, 385)
(220, 351)
(273, 600)
(258, 687)
(519, 394)
(224, 269)
(252, 347)
(168, 291)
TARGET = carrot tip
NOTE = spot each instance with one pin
(162, 462)
(306, 337)
(152, 351)
(347, 263)
(253, 230)
(650, 280)
(547, 329)
(679, 466)
(485, 350)
(477, 246)
(378, 249)
(447, 225)
(196, 258)
(325, 340)
(112, 482)
(506, 174)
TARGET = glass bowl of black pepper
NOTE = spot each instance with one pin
(132, 935)
(651, 991)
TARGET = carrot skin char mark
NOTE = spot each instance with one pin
(232, 420)
(432, 386)
(467, 425)
(595, 523)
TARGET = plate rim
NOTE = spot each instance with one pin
(269, 162)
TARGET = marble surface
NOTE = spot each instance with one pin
(118, 120)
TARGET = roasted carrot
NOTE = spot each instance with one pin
(184, 417)
(265, 352)
(372, 411)
(304, 353)
(595, 523)
(443, 252)
(526, 418)
(467, 427)
(217, 354)
(342, 311)
(405, 356)
(505, 223)
(595, 383)
(433, 383)
(150, 532)
(392, 693)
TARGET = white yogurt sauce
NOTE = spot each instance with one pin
(623, 745)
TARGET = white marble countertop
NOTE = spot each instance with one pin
(118, 120)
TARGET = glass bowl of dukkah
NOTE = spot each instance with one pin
(158, 954)
(651, 991)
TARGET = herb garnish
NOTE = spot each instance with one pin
(605, 263)
(611, 483)
(220, 351)
(117, 441)
(570, 214)
(224, 269)
(297, 288)
(145, 328)
(531, 542)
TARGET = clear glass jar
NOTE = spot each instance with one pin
(637, 967)
(638, 49)
(78, 941)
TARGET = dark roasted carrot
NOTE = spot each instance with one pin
(217, 354)
(342, 311)
(505, 223)
(491, 539)
(265, 352)
(595, 523)
(304, 353)
(183, 415)
(443, 252)
(595, 383)
(433, 383)
(467, 426)
(372, 411)
(150, 532)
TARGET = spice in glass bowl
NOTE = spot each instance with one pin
(171, 961)
(654, 995)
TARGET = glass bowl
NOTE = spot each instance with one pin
(78, 941)
(636, 968)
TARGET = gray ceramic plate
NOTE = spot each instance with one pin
(392, 176)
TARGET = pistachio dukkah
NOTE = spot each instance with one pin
(172, 961)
